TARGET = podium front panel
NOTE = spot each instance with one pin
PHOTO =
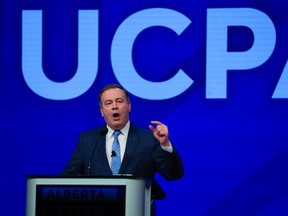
(87, 197)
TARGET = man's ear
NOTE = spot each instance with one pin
(101, 112)
(129, 107)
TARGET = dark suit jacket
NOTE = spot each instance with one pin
(143, 157)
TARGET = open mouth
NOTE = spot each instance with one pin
(116, 115)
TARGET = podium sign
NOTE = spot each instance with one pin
(87, 196)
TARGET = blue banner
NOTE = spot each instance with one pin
(215, 72)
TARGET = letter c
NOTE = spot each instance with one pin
(121, 54)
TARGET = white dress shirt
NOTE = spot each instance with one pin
(122, 137)
(122, 140)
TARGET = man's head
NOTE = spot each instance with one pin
(114, 105)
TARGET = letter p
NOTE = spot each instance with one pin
(219, 60)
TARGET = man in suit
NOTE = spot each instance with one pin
(142, 152)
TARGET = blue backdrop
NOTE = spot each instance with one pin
(214, 71)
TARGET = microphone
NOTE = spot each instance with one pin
(103, 132)
(113, 154)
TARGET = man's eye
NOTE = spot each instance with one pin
(107, 103)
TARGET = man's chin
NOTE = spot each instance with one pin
(117, 125)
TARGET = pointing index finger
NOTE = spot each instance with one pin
(156, 122)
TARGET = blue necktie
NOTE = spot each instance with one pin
(116, 157)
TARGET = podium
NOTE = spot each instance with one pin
(88, 196)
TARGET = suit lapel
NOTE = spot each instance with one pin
(100, 158)
(132, 141)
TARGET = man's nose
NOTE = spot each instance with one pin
(114, 105)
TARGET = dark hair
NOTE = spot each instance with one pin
(113, 86)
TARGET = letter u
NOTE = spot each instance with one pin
(32, 56)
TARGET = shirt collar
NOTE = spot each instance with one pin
(123, 131)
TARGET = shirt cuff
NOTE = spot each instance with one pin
(168, 148)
